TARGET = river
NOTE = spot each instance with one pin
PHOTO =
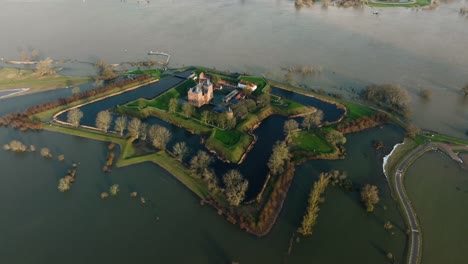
(418, 49)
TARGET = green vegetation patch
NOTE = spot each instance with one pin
(356, 111)
(230, 144)
(435, 137)
(308, 140)
(397, 4)
(287, 108)
(162, 101)
(156, 73)
(11, 78)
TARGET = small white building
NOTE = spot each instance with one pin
(243, 84)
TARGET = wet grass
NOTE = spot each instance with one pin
(11, 78)
(311, 141)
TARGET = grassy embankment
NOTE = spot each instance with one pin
(127, 157)
(418, 3)
(47, 115)
(12, 78)
(435, 137)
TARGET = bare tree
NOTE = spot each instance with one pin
(105, 71)
(74, 116)
(114, 190)
(312, 119)
(24, 55)
(44, 67)
(278, 158)
(310, 218)
(120, 124)
(235, 187)
(290, 126)
(134, 127)
(35, 54)
(75, 90)
(180, 149)
(143, 131)
(160, 137)
(335, 137)
(173, 103)
(425, 94)
(187, 110)
(200, 162)
(370, 196)
(103, 120)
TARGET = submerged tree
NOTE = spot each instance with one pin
(370, 196)
(310, 218)
(105, 71)
(74, 116)
(44, 67)
(45, 152)
(114, 190)
(64, 185)
(235, 187)
(103, 121)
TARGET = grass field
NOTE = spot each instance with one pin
(162, 101)
(231, 144)
(310, 141)
(356, 111)
(11, 78)
(155, 73)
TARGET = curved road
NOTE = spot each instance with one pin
(415, 246)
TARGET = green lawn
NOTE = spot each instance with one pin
(356, 111)
(156, 73)
(288, 108)
(417, 4)
(11, 78)
(162, 101)
(231, 144)
(308, 140)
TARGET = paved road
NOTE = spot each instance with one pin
(415, 245)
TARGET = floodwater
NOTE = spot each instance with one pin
(418, 49)
(438, 188)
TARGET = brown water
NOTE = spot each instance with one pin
(419, 49)
(40, 225)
